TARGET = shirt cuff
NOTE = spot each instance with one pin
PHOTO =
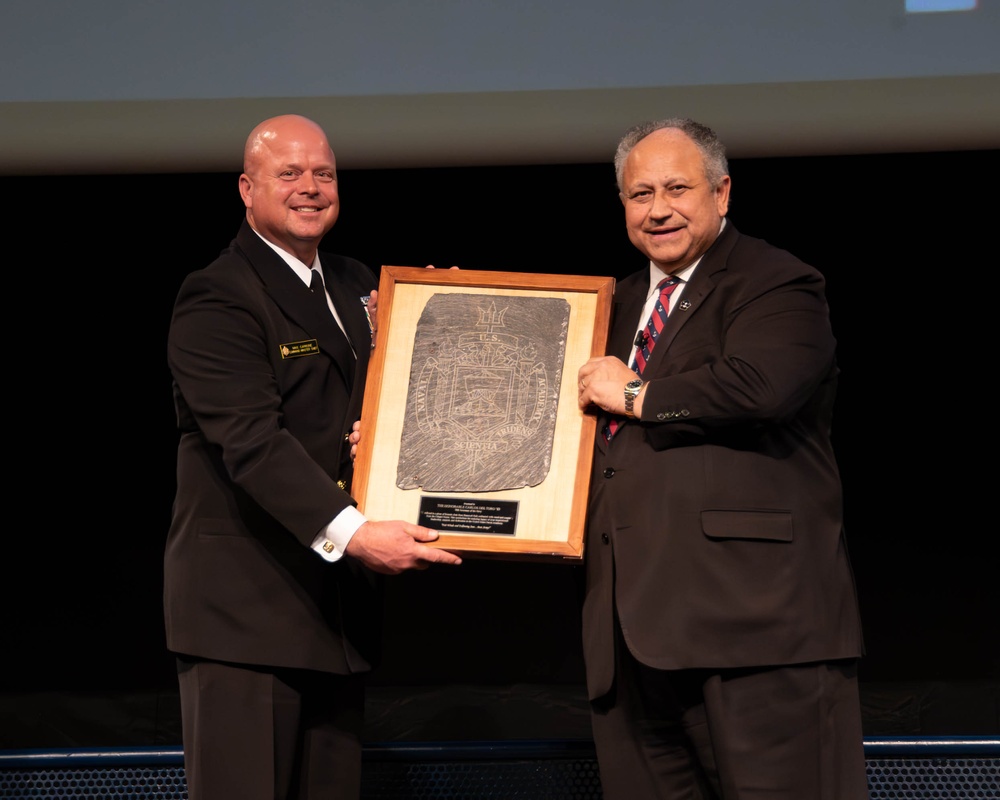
(332, 541)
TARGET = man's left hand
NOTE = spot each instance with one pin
(602, 383)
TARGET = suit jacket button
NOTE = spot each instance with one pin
(605, 539)
(609, 472)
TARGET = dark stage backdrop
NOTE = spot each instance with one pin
(93, 264)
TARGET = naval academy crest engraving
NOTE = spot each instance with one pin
(483, 392)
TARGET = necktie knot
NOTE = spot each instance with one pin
(666, 286)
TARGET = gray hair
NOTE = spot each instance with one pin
(713, 152)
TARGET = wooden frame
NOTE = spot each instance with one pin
(544, 521)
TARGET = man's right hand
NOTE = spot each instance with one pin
(393, 546)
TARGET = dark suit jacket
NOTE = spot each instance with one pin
(263, 464)
(715, 525)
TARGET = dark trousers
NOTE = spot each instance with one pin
(258, 733)
(776, 733)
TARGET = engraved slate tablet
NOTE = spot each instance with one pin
(484, 386)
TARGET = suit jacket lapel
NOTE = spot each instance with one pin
(295, 300)
(701, 285)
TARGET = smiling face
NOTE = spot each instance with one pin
(289, 184)
(672, 212)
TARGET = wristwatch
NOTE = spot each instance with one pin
(631, 392)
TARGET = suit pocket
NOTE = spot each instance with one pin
(772, 526)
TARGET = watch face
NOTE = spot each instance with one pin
(631, 393)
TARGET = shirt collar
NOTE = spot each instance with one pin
(298, 267)
(656, 274)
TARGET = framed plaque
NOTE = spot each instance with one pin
(470, 423)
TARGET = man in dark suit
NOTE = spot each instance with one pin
(272, 597)
(720, 622)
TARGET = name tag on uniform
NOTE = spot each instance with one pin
(307, 347)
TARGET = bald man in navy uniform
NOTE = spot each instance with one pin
(272, 594)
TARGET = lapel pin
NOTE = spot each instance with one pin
(685, 305)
